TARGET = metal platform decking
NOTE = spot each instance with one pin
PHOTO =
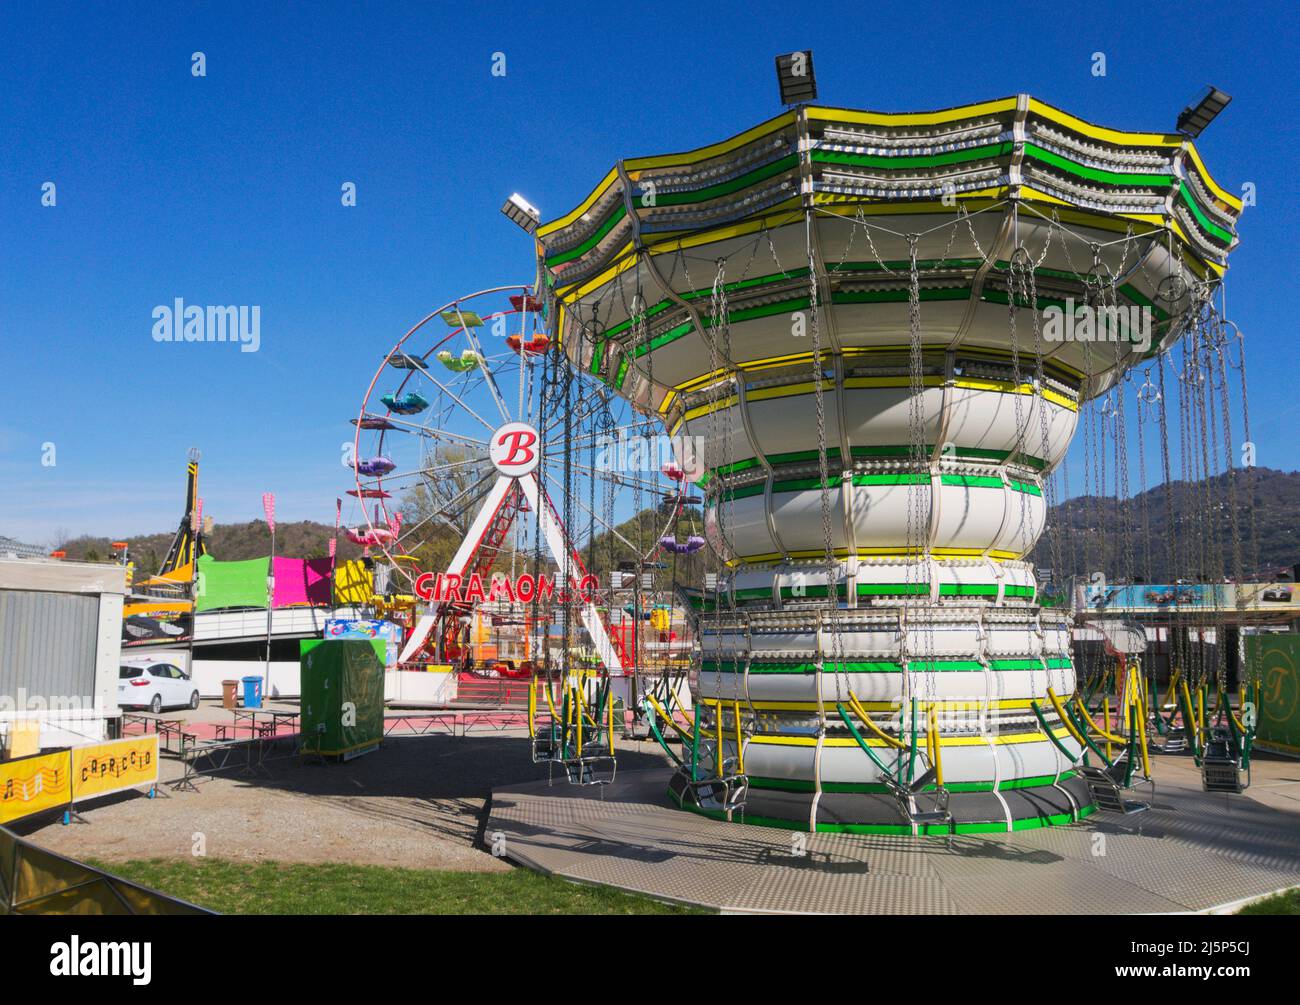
(1195, 852)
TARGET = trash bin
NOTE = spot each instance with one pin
(252, 692)
(228, 694)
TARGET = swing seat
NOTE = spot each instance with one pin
(1106, 787)
(594, 769)
(905, 798)
(727, 793)
(929, 818)
(1220, 769)
(1175, 742)
(545, 748)
(939, 816)
(1223, 775)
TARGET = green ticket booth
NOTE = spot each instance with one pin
(342, 696)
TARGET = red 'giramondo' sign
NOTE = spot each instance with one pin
(449, 587)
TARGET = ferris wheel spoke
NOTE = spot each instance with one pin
(446, 434)
(636, 548)
(604, 438)
(469, 494)
(486, 370)
(630, 481)
(457, 399)
(594, 435)
(433, 468)
(408, 531)
(414, 476)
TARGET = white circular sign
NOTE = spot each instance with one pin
(514, 449)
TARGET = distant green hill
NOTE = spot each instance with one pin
(229, 542)
(1096, 534)
(1184, 532)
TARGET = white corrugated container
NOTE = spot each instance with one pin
(60, 644)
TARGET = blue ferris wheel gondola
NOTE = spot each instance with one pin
(408, 404)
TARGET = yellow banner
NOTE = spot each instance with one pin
(32, 784)
(100, 768)
(353, 583)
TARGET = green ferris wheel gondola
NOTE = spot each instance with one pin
(467, 360)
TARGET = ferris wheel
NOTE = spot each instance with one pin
(480, 450)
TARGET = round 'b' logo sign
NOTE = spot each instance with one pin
(514, 449)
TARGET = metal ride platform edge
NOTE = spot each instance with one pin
(1194, 852)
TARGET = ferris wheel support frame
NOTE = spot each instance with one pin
(551, 530)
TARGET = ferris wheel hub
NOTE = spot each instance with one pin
(514, 449)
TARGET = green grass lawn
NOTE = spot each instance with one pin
(283, 888)
(1281, 903)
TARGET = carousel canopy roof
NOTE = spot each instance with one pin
(837, 208)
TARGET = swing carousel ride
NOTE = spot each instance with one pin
(884, 329)
(869, 339)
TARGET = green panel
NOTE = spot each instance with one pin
(1016, 664)
(727, 187)
(1274, 660)
(616, 214)
(1028, 823)
(833, 453)
(911, 162)
(893, 589)
(870, 666)
(342, 682)
(972, 481)
(1119, 178)
(865, 666)
(1210, 227)
(230, 584)
(878, 788)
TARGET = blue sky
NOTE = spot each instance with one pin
(226, 190)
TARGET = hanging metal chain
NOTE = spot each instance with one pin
(920, 461)
(1047, 480)
(1252, 669)
(719, 325)
(1018, 289)
(1110, 311)
(1166, 470)
(819, 399)
(1248, 442)
(1146, 396)
(823, 465)
(919, 502)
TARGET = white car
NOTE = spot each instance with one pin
(155, 685)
